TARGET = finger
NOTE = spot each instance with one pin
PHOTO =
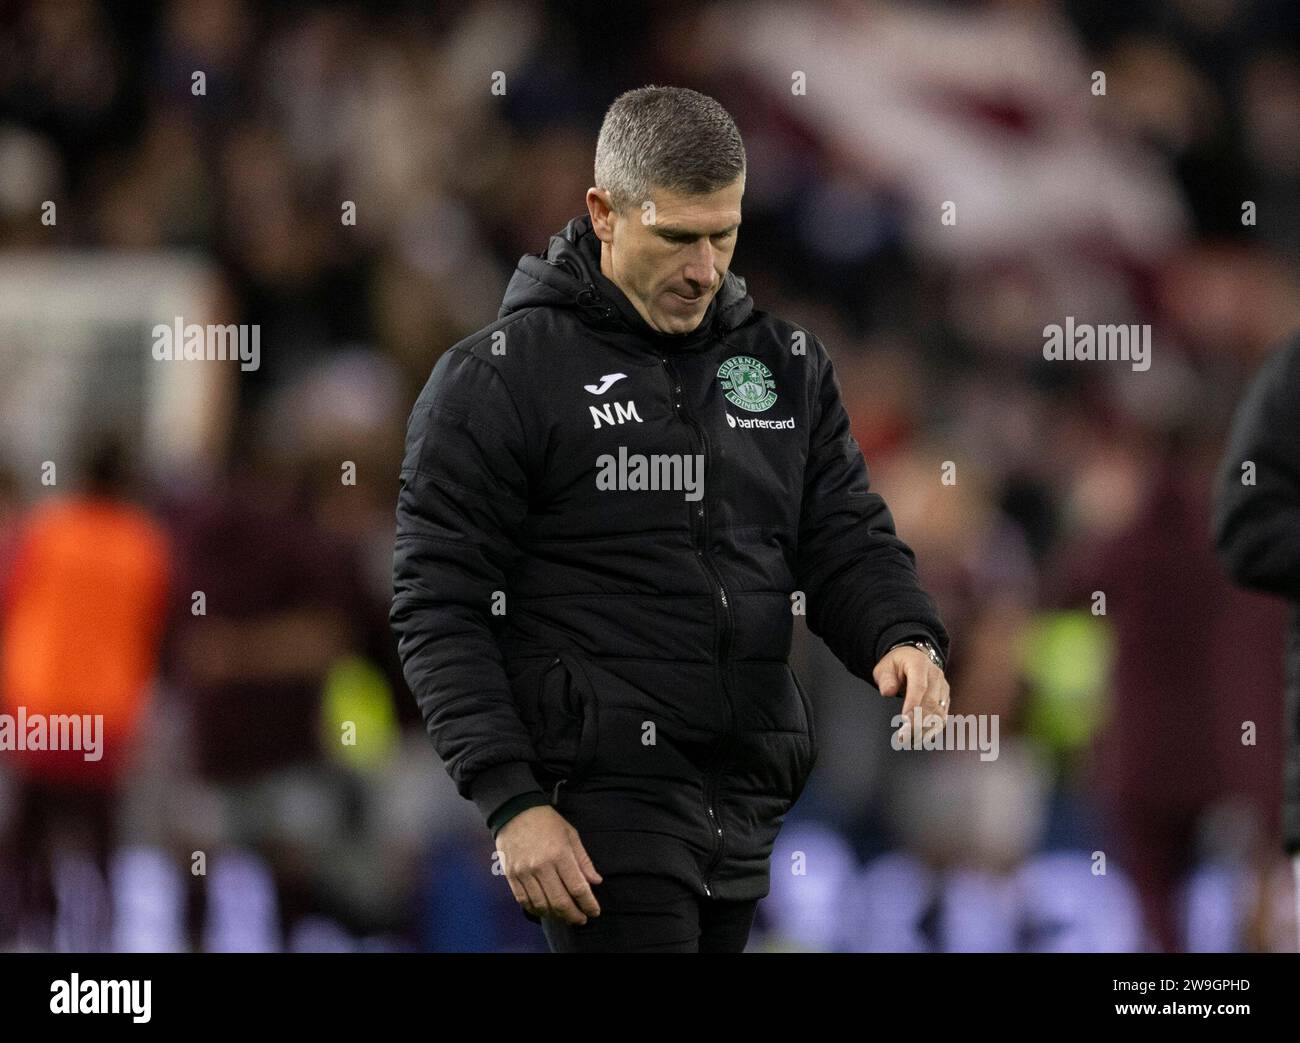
(584, 862)
(576, 884)
(934, 725)
(887, 679)
(918, 683)
(521, 896)
(536, 896)
(558, 896)
(940, 696)
(943, 697)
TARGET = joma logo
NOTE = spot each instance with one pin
(614, 413)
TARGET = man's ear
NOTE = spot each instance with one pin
(602, 214)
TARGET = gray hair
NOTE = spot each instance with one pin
(666, 137)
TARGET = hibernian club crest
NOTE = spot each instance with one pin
(747, 383)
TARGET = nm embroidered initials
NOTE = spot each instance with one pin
(614, 413)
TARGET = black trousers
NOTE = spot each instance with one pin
(642, 912)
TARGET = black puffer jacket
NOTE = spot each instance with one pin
(623, 650)
(1257, 526)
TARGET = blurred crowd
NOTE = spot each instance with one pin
(1124, 810)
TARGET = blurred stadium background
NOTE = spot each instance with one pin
(227, 815)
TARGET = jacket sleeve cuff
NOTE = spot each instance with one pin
(513, 807)
(496, 785)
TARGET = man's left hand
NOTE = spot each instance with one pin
(909, 671)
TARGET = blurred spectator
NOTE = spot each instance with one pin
(1195, 663)
(84, 604)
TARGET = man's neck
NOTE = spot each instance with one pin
(606, 269)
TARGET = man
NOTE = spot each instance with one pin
(614, 499)
(1257, 532)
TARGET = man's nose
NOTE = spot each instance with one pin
(699, 270)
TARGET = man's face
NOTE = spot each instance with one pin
(669, 259)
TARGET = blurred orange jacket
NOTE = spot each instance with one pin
(82, 613)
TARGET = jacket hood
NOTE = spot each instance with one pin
(568, 275)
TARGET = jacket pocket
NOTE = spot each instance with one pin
(564, 727)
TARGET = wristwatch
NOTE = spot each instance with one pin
(924, 646)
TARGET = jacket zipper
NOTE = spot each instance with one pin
(700, 526)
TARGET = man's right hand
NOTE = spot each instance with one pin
(547, 867)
